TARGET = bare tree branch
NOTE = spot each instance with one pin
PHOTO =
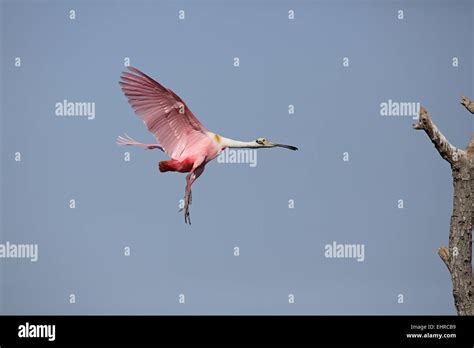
(443, 252)
(449, 152)
(458, 256)
(468, 104)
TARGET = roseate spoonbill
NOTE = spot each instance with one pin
(179, 133)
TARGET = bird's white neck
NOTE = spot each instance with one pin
(231, 143)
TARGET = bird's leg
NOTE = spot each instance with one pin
(188, 196)
(187, 216)
(193, 178)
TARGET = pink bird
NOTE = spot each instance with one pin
(179, 133)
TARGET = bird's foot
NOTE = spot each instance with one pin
(187, 202)
(187, 217)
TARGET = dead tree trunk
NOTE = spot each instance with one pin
(458, 255)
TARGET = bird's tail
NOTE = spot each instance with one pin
(175, 166)
(165, 166)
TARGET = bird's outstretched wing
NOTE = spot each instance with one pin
(164, 113)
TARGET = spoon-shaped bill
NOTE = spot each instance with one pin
(290, 147)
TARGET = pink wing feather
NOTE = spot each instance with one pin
(164, 113)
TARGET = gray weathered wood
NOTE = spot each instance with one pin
(458, 255)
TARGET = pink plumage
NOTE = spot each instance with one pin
(179, 133)
(164, 113)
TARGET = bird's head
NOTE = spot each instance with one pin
(264, 142)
